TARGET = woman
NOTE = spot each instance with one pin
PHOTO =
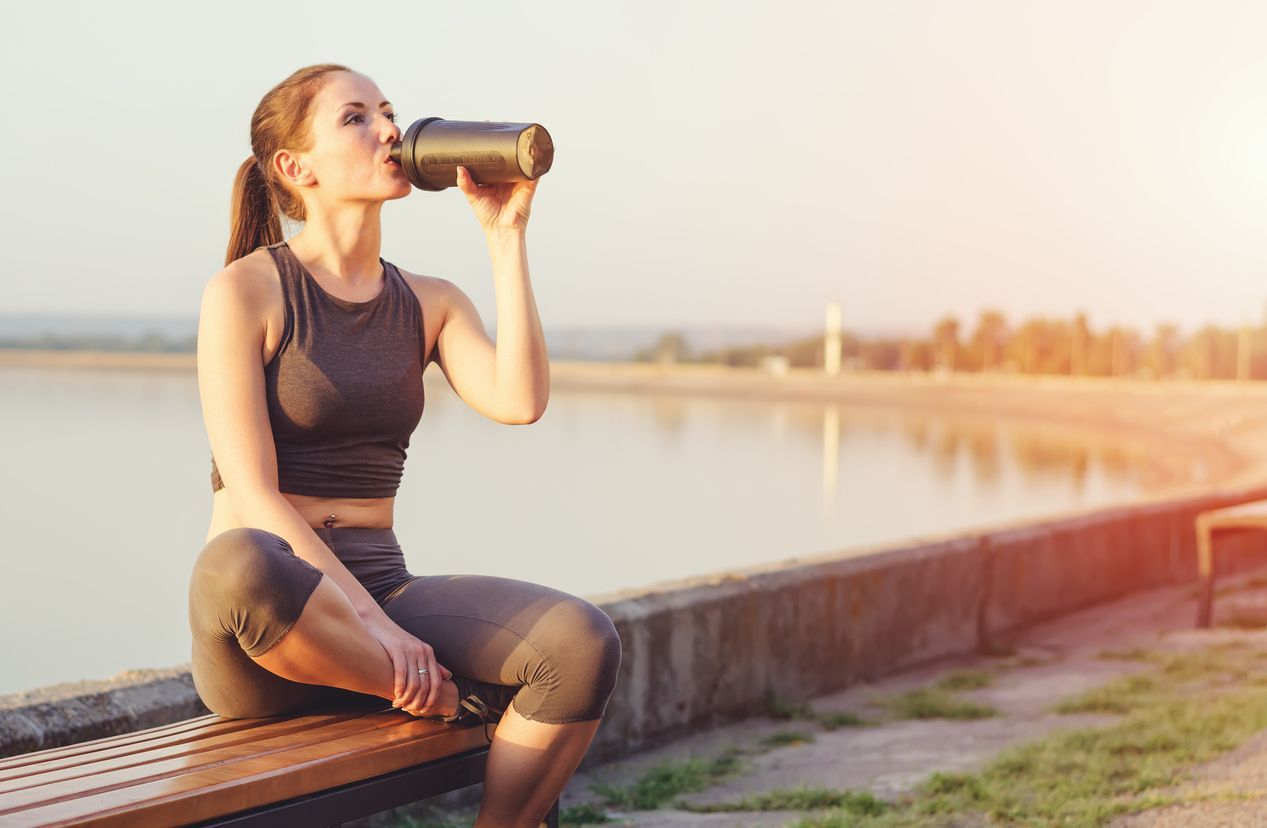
(310, 360)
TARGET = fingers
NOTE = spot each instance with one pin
(428, 694)
(466, 183)
(408, 696)
(400, 667)
(433, 686)
(423, 689)
(406, 678)
(415, 701)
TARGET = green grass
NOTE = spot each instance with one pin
(779, 708)
(837, 719)
(965, 680)
(781, 738)
(798, 799)
(1204, 664)
(934, 703)
(1133, 654)
(661, 783)
(1192, 708)
(1085, 777)
(1244, 618)
(1122, 695)
(582, 815)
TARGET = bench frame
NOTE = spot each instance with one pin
(1252, 515)
(369, 796)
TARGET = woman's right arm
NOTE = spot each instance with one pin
(231, 329)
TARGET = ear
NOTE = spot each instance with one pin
(290, 167)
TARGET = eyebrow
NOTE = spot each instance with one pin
(359, 105)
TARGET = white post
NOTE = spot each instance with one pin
(831, 342)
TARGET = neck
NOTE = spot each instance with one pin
(345, 244)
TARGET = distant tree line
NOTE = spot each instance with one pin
(1042, 345)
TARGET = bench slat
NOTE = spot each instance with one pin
(176, 761)
(134, 754)
(1247, 512)
(53, 753)
(239, 777)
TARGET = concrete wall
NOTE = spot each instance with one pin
(705, 651)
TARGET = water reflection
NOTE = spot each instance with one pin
(831, 458)
(982, 448)
(669, 414)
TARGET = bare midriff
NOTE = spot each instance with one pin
(369, 512)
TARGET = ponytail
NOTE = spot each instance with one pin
(253, 219)
(258, 202)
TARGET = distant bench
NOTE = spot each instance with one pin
(318, 770)
(1252, 515)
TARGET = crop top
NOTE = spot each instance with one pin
(344, 389)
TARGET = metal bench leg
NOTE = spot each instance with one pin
(1205, 573)
(552, 818)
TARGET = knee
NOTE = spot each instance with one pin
(599, 647)
(240, 563)
(587, 654)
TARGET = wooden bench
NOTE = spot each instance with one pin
(1251, 515)
(311, 770)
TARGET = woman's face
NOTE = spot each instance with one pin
(352, 129)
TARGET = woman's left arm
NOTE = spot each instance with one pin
(507, 380)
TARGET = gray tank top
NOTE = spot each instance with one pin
(344, 389)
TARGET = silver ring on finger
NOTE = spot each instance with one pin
(422, 671)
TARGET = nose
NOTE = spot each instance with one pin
(392, 134)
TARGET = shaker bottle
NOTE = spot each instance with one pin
(493, 152)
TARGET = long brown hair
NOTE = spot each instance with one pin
(280, 120)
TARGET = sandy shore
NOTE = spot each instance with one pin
(1218, 427)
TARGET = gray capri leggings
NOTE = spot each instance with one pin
(554, 655)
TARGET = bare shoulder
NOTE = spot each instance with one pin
(248, 283)
(244, 301)
(433, 292)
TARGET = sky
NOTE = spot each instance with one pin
(717, 164)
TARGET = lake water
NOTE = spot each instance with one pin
(106, 498)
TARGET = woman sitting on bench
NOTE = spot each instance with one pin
(310, 361)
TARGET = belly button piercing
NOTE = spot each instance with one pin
(330, 522)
